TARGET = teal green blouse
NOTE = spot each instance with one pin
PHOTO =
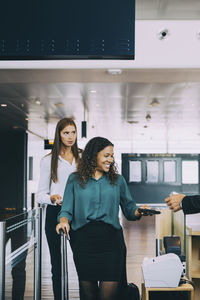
(99, 200)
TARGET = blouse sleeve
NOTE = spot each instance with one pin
(68, 200)
(43, 192)
(127, 204)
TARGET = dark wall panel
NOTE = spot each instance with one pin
(146, 191)
(66, 29)
(13, 171)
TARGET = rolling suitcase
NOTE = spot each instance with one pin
(64, 267)
(131, 292)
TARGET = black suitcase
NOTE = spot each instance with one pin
(64, 266)
(132, 292)
(129, 292)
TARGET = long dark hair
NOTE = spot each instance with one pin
(88, 162)
(57, 146)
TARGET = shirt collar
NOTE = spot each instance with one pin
(101, 178)
(65, 161)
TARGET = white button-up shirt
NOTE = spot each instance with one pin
(45, 189)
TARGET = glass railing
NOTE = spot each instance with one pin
(20, 256)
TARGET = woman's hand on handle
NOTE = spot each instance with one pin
(64, 225)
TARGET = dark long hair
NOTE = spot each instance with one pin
(88, 162)
(57, 146)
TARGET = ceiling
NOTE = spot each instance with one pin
(167, 9)
(113, 105)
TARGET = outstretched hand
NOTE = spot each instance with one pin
(174, 200)
(140, 214)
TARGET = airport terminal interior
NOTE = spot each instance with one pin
(147, 106)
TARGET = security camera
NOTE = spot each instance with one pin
(163, 34)
(198, 34)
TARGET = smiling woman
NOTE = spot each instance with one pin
(97, 158)
(104, 160)
(90, 211)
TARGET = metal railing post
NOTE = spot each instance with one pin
(37, 255)
(158, 247)
(2, 260)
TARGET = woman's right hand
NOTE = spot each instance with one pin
(56, 199)
(64, 225)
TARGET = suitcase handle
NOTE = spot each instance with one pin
(64, 267)
(62, 233)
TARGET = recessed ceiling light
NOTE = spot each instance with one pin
(37, 101)
(3, 105)
(71, 117)
(133, 122)
(155, 102)
(59, 104)
(92, 91)
(114, 71)
(148, 117)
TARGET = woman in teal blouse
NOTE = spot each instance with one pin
(90, 213)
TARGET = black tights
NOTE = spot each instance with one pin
(106, 290)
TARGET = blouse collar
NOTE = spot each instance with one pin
(65, 161)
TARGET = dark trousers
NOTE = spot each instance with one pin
(54, 244)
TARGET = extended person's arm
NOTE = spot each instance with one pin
(191, 204)
(127, 204)
(43, 193)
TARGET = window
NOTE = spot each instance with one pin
(135, 172)
(190, 173)
(169, 171)
(152, 171)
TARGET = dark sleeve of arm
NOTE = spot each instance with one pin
(127, 204)
(68, 201)
(191, 204)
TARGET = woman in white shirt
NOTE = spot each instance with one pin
(55, 169)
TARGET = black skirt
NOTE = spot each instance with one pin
(99, 252)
